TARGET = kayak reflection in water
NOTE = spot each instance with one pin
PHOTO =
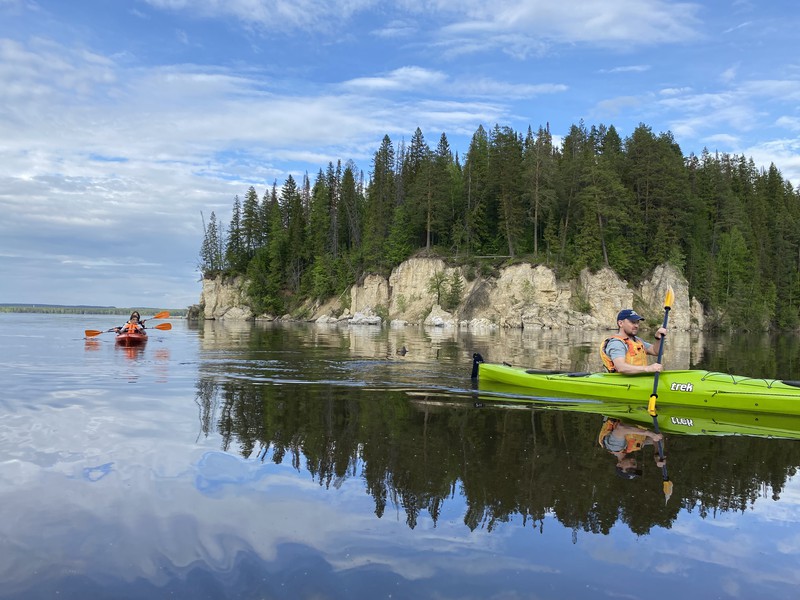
(623, 440)
(133, 325)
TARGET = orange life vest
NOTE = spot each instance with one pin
(633, 441)
(131, 327)
(635, 355)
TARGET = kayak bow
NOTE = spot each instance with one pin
(131, 339)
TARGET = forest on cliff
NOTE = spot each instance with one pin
(594, 200)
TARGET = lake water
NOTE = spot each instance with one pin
(323, 462)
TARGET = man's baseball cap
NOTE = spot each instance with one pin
(629, 314)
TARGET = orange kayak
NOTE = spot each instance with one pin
(131, 339)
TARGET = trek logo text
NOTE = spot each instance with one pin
(681, 387)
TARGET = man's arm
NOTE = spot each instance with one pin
(654, 348)
(622, 367)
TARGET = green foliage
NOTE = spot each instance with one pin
(437, 285)
(448, 290)
(212, 252)
(596, 200)
(580, 302)
(455, 289)
(382, 311)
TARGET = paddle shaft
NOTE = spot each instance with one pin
(652, 404)
(654, 396)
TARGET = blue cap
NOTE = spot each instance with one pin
(628, 473)
(629, 314)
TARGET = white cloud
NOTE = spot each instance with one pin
(634, 21)
(272, 16)
(791, 123)
(521, 28)
(729, 74)
(675, 91)
(627, 69)
(729, 141)
(395, 30)
(403, 79)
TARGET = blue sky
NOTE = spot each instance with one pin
(122, 120)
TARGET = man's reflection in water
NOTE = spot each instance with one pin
(622, 440)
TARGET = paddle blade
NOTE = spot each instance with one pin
(651, 405)
(667, 491)
(164, 314)
(163, 326)
(670, 297)
(92, 332)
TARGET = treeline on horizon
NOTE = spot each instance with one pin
(58, 309)
(595, 201)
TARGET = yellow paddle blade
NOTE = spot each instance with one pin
(670, 297)
(667, 491)
(651, 405)
(163, 326)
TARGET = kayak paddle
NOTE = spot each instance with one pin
(94, 332)
(651, 405)
(164, 314)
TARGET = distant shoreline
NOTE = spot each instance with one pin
(83, 310)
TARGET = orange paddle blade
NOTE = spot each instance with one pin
(92, 332)
(163, 326)
(164, 314)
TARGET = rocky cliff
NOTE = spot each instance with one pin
(519, 296)
(225, 298)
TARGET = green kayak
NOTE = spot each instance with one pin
(685, 388)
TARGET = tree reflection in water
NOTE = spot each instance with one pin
(416, 451)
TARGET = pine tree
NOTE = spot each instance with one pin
(505, 177)
(379, 210)
(251, 230)
(539, 169)
(212, 250)
(235, 254)
(477, 226)
(295, 233)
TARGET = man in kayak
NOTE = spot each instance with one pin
(132, 326)
(621, 440)
(625, 352)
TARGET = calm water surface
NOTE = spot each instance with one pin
(303, 461)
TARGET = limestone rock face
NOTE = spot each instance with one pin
(654, 292)
(605, 294)
(224, 298)
(520, 296)
(440, 318)
(374, 292)
(410, 298)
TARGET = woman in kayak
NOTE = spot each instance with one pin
(132, 326)
(624, 352)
